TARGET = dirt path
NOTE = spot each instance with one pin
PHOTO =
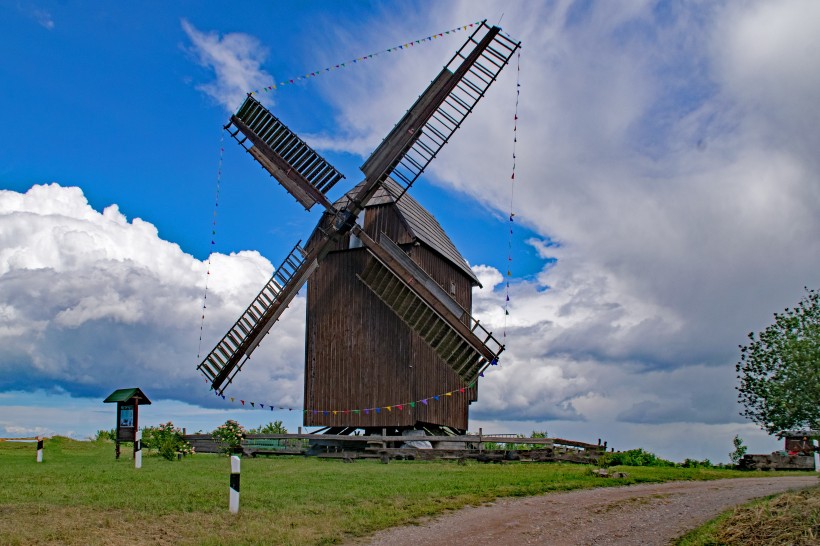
(646, 514)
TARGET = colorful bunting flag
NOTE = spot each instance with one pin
(213, 242)
(512, 192)
(365, 57)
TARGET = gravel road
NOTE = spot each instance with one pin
(647, 514)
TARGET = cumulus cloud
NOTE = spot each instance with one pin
(93, 302)
(236, 60)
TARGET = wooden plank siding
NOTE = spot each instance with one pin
(359, 354)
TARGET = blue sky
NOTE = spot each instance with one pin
(113, 90)
(666, 200)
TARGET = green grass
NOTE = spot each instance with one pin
(81, 495)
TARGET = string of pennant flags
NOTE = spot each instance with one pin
(366, 411)
(351, 62)
(512, 191)
(213, 239)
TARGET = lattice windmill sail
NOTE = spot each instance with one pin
(388, 272)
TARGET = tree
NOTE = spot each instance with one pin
(740, 449)
(779, 370)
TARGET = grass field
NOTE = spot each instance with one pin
(81, 495)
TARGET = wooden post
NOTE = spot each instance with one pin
(39, 449)
(138, 449)
(233, 499)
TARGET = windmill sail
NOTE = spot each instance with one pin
(421, 303)
(441, 109)
(300, 170)
(228, 356)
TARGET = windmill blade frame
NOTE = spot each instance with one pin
(305, 174)
(423, 131)
(427, 309)
(229, 355)
(405, 153)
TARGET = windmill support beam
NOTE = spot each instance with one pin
(396, 147)
(403, 134)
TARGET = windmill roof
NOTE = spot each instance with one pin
(421, 224)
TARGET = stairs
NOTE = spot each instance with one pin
(468, 358)
(228, 356)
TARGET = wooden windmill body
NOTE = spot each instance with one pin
(388, 321)
(359, 353)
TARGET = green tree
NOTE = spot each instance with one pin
(740, 449)
(779, 370)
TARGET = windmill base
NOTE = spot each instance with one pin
(414, 436)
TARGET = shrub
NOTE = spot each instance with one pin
(633, 457)
(277, 427)
(229, 435)
(693, 463)
(106, 435)
(167, 440)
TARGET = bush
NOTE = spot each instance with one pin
(167, 440)
(277, 427)
(106, 435)
(693, 463)
(633, 457)
(229, 435)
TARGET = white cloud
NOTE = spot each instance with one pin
(93, 302)
(236, 60)
(44, 18)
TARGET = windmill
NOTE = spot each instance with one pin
(388, 294)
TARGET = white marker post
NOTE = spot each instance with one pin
(138, 449)
(816, 456)
(233, 501)
(39, 449)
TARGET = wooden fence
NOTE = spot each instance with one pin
(470, 446)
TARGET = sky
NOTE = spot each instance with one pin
(666, 199)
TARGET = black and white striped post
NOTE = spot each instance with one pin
(138, 449)
(233, 501)
(39, 449)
